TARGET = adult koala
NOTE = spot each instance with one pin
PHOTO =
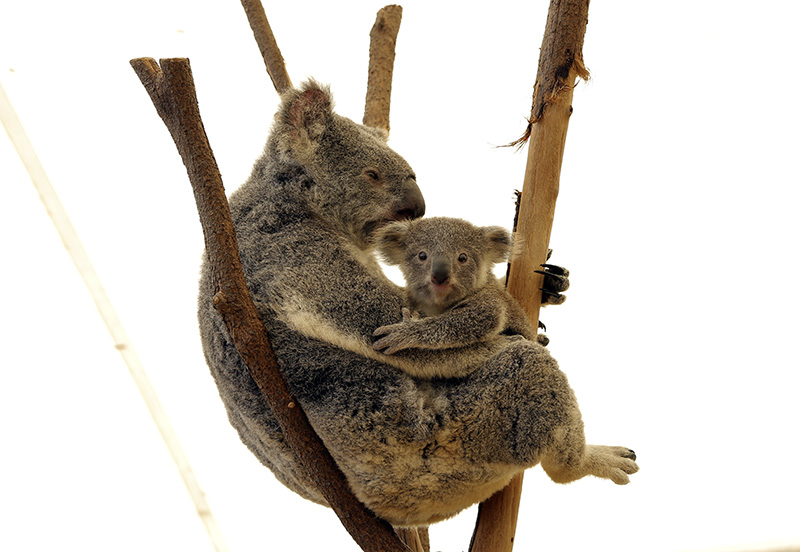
(414, 449)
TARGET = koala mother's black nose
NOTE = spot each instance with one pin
(412, 205)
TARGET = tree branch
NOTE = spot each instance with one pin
(172, 91)
(383, 38)
(560, 65)
(267, 44)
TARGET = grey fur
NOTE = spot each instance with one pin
(447, 265)
(415, 450)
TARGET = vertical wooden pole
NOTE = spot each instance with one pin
(560, 64)
(539, 193)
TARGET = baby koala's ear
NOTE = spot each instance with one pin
(499, 244)
(390, 241)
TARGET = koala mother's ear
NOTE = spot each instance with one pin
(390, 241)
(301, 120)
(499, 243)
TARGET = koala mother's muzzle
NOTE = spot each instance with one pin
(406, 203)
(411, 204)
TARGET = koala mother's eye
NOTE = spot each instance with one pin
(422, 256)
(462, 258)
(372, 175)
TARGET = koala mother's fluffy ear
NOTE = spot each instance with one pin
(302, 118)
(390, 241)
(499, 245)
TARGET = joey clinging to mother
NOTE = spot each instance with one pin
(448, 266)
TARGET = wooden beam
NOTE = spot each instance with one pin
(560, 64)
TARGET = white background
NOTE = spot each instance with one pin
(678, 217)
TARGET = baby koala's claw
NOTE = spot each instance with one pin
(396, 337)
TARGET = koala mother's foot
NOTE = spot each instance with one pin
(614, 463)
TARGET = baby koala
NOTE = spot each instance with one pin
(447, 264)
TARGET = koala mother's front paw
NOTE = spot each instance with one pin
(556, 280)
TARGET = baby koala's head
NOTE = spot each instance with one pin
(442, 259)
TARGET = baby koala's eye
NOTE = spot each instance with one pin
(422, 256)
(462, 258)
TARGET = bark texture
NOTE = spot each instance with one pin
(267, 44)
(383, 39)
(560, 65)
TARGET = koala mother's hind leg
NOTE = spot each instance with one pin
(521, 409)
(548, 427)
(567, 457)
(614, 463)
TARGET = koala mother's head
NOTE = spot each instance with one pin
(357, 183)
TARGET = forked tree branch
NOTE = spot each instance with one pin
(276, 67)
(560, 65)
(172, 91)
(383, 38)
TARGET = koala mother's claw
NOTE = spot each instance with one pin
(615, 463)
(556, 280)
(555, 269)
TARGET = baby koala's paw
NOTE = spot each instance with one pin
(409, 315)
(614, 463)
(396, 337)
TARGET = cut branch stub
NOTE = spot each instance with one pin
(383, 38)
(267, 44)
(560, 57)
(562, 51)
(171, 89)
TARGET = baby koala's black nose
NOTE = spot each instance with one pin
(440, 273)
